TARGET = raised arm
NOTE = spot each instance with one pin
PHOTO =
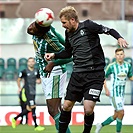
(100, 29)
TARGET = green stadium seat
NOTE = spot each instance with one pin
(9, 75)
(69, 67)
(2, 67)
(129, 59)
(11, 64)
(22, 64)
(107, 61)
(114, 59)
(22, 61)
(36, 66)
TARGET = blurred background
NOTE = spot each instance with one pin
(16, 45)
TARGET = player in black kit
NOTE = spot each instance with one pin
(31, 77)
(87, 78)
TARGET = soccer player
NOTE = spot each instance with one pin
(119, 71)
(22, 102)
(31, 77)
(83, 43)
(53, 73)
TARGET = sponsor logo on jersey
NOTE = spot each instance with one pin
(35, 73)
(121, 76)
(82, 32)
(28, 74)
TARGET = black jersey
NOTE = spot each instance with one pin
(84, 45)
(29, 80)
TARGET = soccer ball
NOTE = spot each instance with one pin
(44, 17)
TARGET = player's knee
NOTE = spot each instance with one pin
(53, 111)
(68, 106)
(121, 113)
(88, 111)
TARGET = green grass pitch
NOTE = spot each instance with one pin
(51, 129)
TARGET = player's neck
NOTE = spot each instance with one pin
(31, 68)
(120, 62)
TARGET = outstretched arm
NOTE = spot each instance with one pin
(121, 41)
(100, 29)
(53, 63)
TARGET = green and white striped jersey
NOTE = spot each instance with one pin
(119, 74)
(51, 42)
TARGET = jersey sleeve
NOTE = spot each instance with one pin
(21, 74)
(130, 74)
(67, 52)
(100, 29)
(93, 27)
(59, 36)
(108, 71)
(38, 75)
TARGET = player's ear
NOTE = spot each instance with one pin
(30, 29)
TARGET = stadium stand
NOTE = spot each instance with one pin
(36, 66)
(9, 75)
(11, 64)
(114, 59)
(11, 70)
(2, 67)
(22, 64)
(107, 61)
(129, 59)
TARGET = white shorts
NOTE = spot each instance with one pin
(117, 103)
(54, 86)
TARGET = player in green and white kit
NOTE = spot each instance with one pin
(53, 73)
(119, 71)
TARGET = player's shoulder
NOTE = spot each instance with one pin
(127, 63)
(111, 65)
(24, 70)
(22, 73)
(89, 22)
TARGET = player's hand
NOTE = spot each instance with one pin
(19, 89)
(122, 42)
(49, 56)
(107, 92)
(49, 68)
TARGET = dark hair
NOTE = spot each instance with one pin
(42, 29)
(31, 58)
(119, 49)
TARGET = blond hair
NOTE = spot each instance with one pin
(69, 12)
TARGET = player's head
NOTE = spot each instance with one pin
(69, 18)
(31, 62)
(36, 29)
(43, 20)
(119, 55)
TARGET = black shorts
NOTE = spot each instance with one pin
(87, 85)
(30, 100)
